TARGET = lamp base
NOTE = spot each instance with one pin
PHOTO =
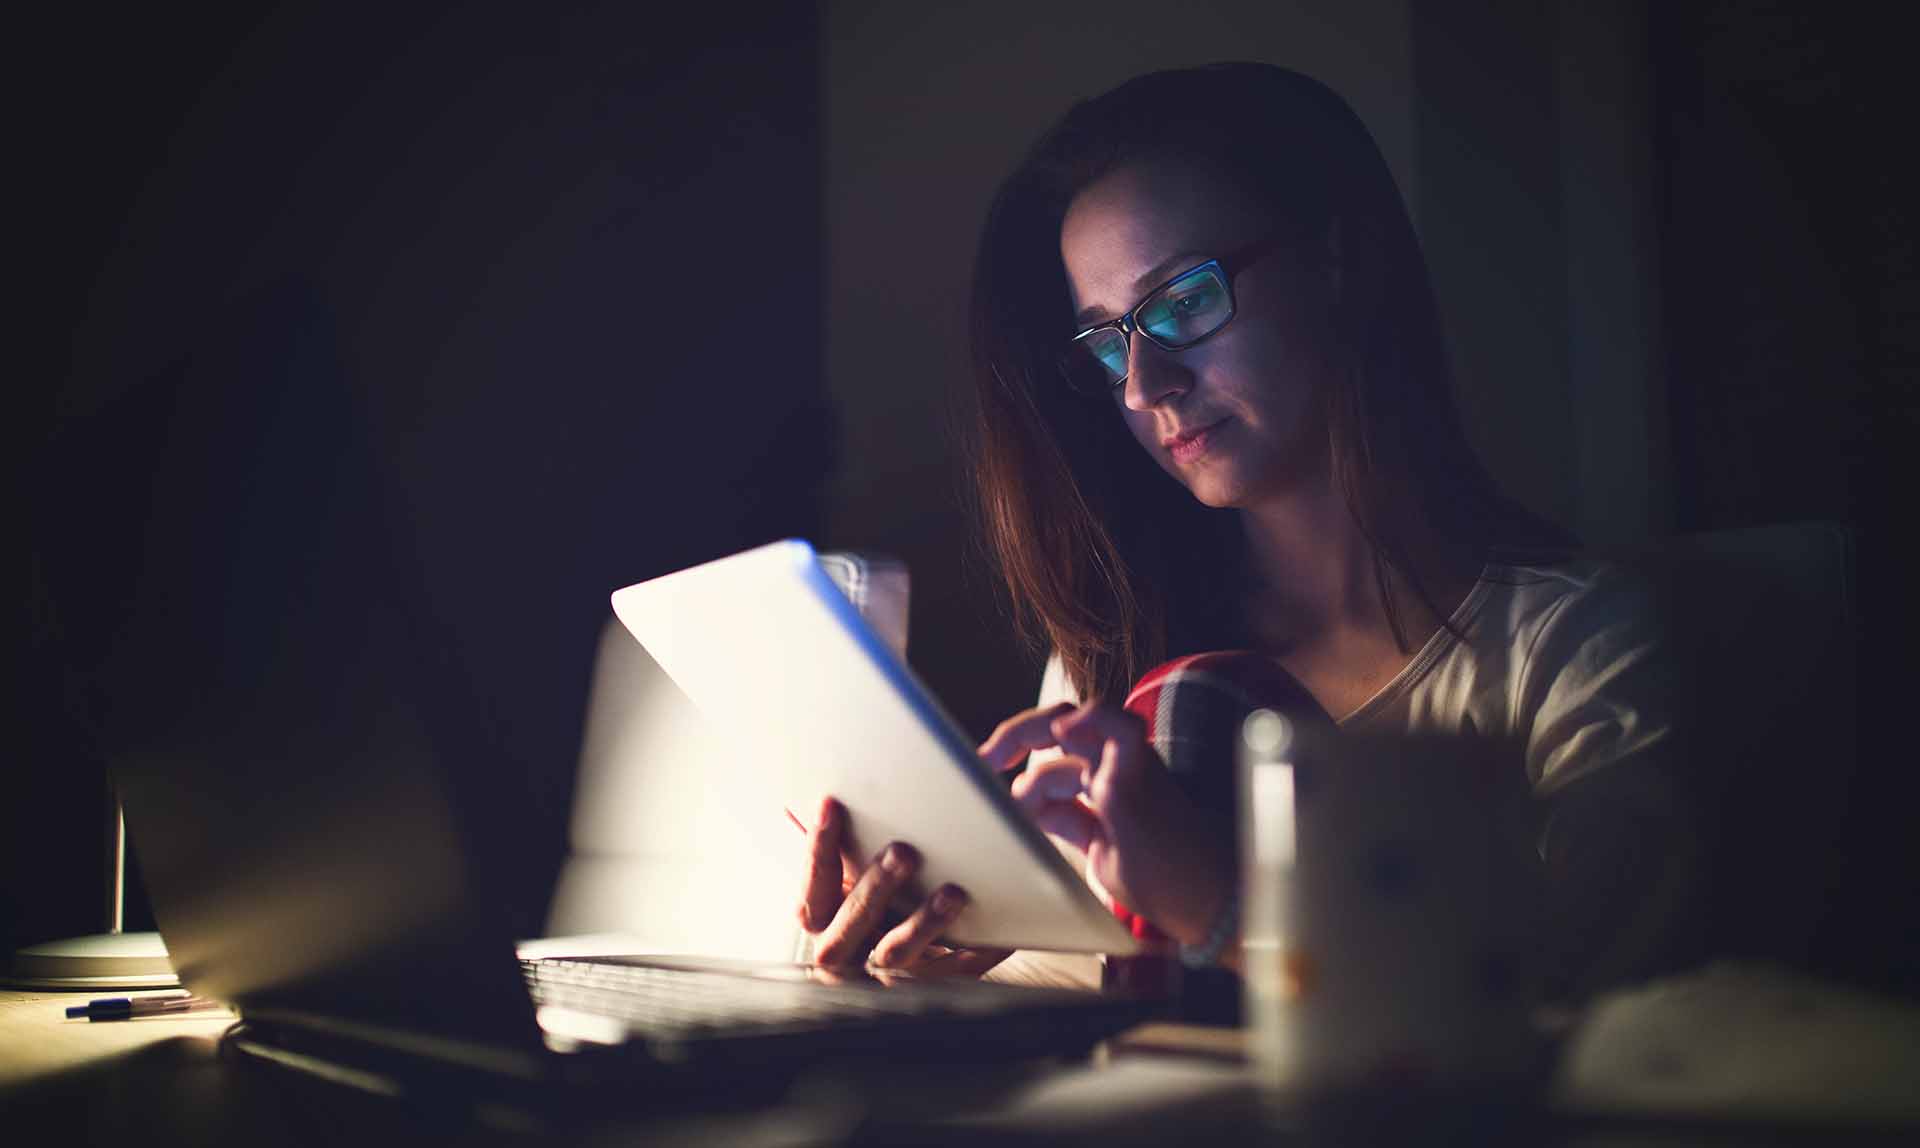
(100, 961)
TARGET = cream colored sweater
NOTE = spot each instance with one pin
(1565, 661)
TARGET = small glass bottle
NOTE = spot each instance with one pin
(1267, 840)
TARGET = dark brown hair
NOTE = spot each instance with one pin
(1108, 560)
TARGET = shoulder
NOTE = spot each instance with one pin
(1055, 686)
(1548, 618)
(1591, 674)
(1529, 602)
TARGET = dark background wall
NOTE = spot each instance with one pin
(569, 265)
(618, 297)
(1791, 302)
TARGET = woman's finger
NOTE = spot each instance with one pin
(1061, 779)
(1053, 795)
(962, 963)
(826, 867)
(1021, 734)
(905, 942)
(1128, 799)
(1072, 822)
(1088, 731)
(864, 910)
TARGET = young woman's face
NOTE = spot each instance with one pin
(1235, 417)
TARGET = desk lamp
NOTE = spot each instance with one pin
(115, 959)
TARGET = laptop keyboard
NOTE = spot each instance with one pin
(653, 1000)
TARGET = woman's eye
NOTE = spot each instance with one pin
(1193, 301)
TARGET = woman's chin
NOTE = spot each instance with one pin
(1211, 491)
(1227, 487)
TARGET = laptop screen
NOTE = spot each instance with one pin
(256, 663)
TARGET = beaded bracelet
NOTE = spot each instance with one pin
(1226, 924)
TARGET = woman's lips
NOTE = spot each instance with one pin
(1190, 445)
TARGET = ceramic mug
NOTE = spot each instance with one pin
(1390, 910)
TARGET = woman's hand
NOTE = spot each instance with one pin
(1111, 796)
(844, 906)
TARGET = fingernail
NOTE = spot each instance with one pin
(897, 860)
(950, 899)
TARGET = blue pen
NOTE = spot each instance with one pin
(123, 1008)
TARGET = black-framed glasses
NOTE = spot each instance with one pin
(1185, 309)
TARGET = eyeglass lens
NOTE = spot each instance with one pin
(1178, 315)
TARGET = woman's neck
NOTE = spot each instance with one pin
(1312, 566)
(1315, 577)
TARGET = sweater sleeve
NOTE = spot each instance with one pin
(1595, 684)
(1594, 701)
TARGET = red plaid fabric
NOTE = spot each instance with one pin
(1193, 707)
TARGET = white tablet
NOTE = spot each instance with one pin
(769, 649)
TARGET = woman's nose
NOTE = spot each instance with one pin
(1154, 375)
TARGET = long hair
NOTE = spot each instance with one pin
(1108, 560)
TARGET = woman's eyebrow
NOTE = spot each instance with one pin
(1152, 277)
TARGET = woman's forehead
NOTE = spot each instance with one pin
(1121, 228)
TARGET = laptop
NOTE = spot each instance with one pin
(293, 749)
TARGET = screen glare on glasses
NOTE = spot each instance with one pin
(1186, 310)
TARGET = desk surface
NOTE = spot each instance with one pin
(161, 1081)
(38, 1040)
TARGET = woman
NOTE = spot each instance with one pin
(1214, 413)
